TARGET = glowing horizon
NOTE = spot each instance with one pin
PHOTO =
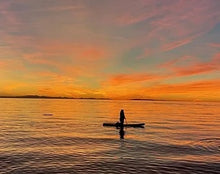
(116, 49)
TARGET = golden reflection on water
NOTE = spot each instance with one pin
(73, 128)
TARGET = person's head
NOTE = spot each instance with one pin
(122, 110)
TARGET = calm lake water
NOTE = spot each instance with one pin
(67, 136)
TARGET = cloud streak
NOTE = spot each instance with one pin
(121, 79)
(186, 66)
(201, 90)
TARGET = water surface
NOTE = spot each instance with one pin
(67, 136)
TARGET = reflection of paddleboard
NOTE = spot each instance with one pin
(125, 125)
(47, 114)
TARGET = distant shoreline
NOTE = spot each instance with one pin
(86, 98)
(49, 97)
(91, 98)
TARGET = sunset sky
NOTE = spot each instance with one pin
(119, 49)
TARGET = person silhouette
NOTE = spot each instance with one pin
(122, 117)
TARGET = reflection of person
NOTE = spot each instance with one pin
(122, 117)
(122, 132)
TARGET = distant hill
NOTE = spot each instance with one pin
(49, 97)
(86, 98)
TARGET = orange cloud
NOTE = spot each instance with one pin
(203, 90)
(12, 87)
(67, 90)
(199, 86)
(54, 77)
(207, 90)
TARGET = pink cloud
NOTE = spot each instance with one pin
(51, 52)
(121, 79)
(189, 65)
(215, 45)
(39, 58)
(62, 8)
(9, 64)
(92, 53)
(176, 44)
(172, 23)
(82, 51)
(212, 65)
(182, 60)
(10, 18)
(2, 64)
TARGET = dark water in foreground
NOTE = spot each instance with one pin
(67, 136)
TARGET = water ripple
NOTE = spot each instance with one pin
(175, 139)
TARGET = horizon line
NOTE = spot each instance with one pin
(98, 98)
